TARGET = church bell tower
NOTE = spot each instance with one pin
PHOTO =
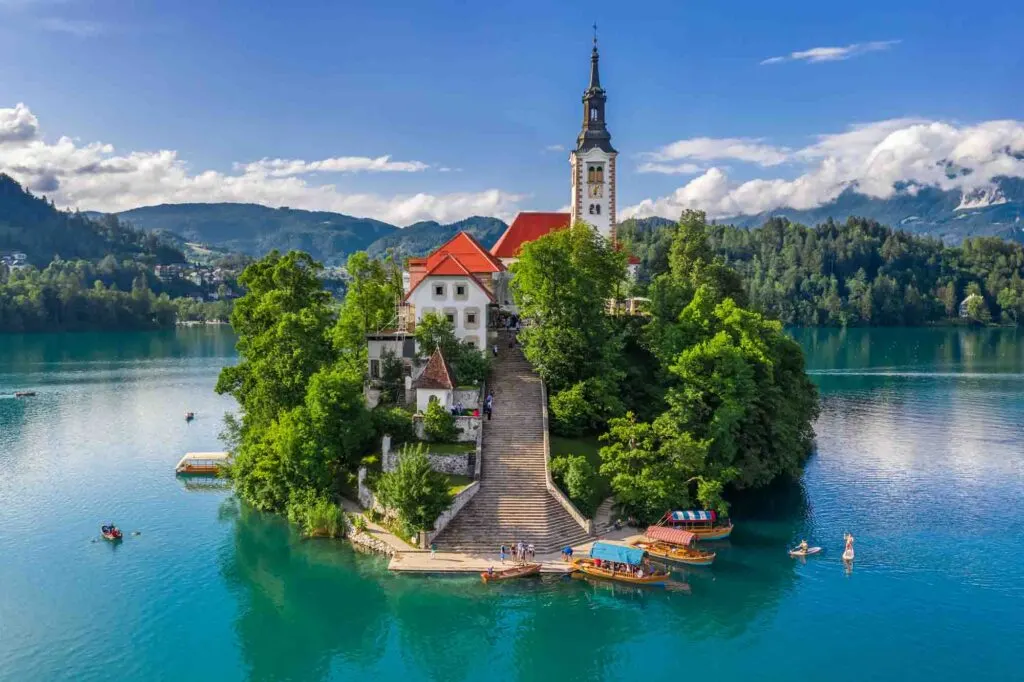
(593, 160)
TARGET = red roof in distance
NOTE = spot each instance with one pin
(471, 253)
(527, 227)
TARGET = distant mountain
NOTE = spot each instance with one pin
(330, 237)
(254, 230)
(32, 225)
(949, 215)
(421, 238)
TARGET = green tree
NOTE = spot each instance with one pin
(417, 492)
(439, 424)
(374, 290)
(575, 475)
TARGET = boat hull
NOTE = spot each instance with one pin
(511, 573)
(595, 572)
(676, 558)
(712, 533)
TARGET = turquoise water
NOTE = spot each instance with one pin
(920, 455)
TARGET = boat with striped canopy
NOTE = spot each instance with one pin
(673, 544)
(619, 562)
(705, 524)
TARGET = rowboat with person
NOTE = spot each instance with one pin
(620, 562)
(673, 544)
(703, 523)
(520, 571)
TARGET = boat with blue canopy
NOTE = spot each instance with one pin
(703, 523)
(623, 563)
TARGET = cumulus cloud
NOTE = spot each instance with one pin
(876, 159)
(17, 124)
(96, 176)
(714, 149)
(555, 148)
(832, 54)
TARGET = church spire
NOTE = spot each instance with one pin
(595, 77)
(595, 132)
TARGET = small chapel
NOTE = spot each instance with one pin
(469, 284)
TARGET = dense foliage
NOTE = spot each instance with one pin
(857, 272)
(417, 492)
(82, 296)
(561, 284)
(439, 424)
(575, 475)
(374, 287)
(34, 226)
(304, 424)
(725, 402)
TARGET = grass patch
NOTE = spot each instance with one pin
(457, 483)
(451, 448)
(589, 447)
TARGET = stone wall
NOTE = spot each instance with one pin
(460, 464)
(469, 427)
(470, 398)
(460, 501)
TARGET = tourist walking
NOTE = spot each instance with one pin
(531, 551)
(501, 553)
(433, 550)
(489, 406)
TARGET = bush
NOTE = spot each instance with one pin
(470, 365)
(395, 422)
(315, 515)
(583, 408)
(439, 424)
(417, 492)
(358, 522)
(577, 478)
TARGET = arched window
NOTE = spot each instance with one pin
(597, 209)
(593, 114)
(591, 209)
(598, 174)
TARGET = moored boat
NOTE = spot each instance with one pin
(111, 532)
(672, 544)
(622, 563)
(705, 524)
(24, 394)
(512, 573)
(202, 463)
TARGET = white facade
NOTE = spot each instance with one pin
(461, 299)
(593, 189)
(376, 346)
(423, 396)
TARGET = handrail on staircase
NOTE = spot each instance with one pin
(585, 523)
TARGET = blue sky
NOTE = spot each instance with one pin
(468, 101)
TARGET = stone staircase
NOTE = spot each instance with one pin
(513, 502)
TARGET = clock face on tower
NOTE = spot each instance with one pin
(596, 191)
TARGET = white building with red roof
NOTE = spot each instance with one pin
(460, 280)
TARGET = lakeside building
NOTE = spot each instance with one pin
(470, 285)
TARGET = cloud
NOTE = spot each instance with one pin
(832, 54)
(77, 27)
(555, 148)
(282, 168)
(877, 159)
(17, 124)
(713, 149)
(96, 176)
(669, 168)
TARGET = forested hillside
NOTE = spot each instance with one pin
(33, 226)
(855, 273)
(420, 239)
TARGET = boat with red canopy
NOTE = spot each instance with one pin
(705, 524)
(673, 544)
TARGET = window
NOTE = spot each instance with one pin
(597, 209)
(592, 209)
(460, 290)
(438, 290)
(375, 369)
(593, 114)
(450, 317)
(470, 318)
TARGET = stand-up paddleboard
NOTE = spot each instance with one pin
(848, 555)
(804, 552)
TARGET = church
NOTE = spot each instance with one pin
(468, 284)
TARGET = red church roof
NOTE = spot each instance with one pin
(447, 264)
(527, 227)
(460, 255)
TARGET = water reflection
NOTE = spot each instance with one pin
(302, 602)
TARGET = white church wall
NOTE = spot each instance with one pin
(472, 302)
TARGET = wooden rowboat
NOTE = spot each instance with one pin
(680, 555)
(510, 573)
(587, 567)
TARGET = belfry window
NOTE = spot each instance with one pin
(593, 115)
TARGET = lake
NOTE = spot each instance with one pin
(920, 455)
